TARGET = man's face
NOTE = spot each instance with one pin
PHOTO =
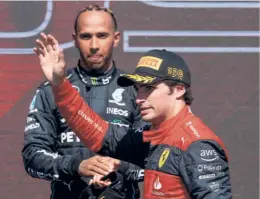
(155, 102)
(95, 39)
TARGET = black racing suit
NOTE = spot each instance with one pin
(53, 152)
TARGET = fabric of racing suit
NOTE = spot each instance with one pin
(183, 158)
(51, 149)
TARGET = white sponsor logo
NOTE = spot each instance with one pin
(87, 118)
(140, 174)
(54, 155)
(56, 176)
(220, 174)
(158, 193)
(32, 126)
(33, 110)
(208, 155)
(46, 83)
(118, 97)
(38, 174)
(119, 124)
(106, 80)
(30, 119)
(136, 175)
(200, 168)
(117, 111)
(157, 184)
(195, 132)
(63, 120)
(214, 186)
(207, 176)
(69, 137)
(90, 121)
(208, 167)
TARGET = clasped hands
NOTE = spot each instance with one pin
(98, 167)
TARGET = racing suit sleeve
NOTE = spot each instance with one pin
(98, 135)
(39, 154)
(131, 172)
(205, 171)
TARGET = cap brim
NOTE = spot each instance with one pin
(130, 79)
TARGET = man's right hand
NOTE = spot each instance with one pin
(98, 166)
(51, 58)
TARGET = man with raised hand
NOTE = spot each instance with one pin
(182, 157)
(51, 149)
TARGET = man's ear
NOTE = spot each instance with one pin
(117, 38)
(180, 91)
(74, 36)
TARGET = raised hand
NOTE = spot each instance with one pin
(51, 58)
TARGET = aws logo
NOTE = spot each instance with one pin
(208, 155)
(164, 156)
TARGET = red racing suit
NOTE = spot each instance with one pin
(183, 158)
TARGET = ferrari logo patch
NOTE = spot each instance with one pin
(165, 154)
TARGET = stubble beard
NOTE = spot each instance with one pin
(101, 67)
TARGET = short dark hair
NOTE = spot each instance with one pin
(96, 7)
(187, 97)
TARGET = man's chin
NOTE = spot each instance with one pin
(147, 118)
(95, 66)
(96, 63)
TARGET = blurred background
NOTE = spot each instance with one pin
(219, 41)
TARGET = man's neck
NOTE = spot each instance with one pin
(172, 113)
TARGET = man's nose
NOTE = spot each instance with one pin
(140, 98)
(94, 50)
(94, 45)
(139, 101)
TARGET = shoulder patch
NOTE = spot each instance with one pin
(32, 105)
(165, 154)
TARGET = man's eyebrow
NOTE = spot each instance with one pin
(97, 33)
(85, 33)
(105, 33)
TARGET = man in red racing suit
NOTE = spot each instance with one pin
(182, 157)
